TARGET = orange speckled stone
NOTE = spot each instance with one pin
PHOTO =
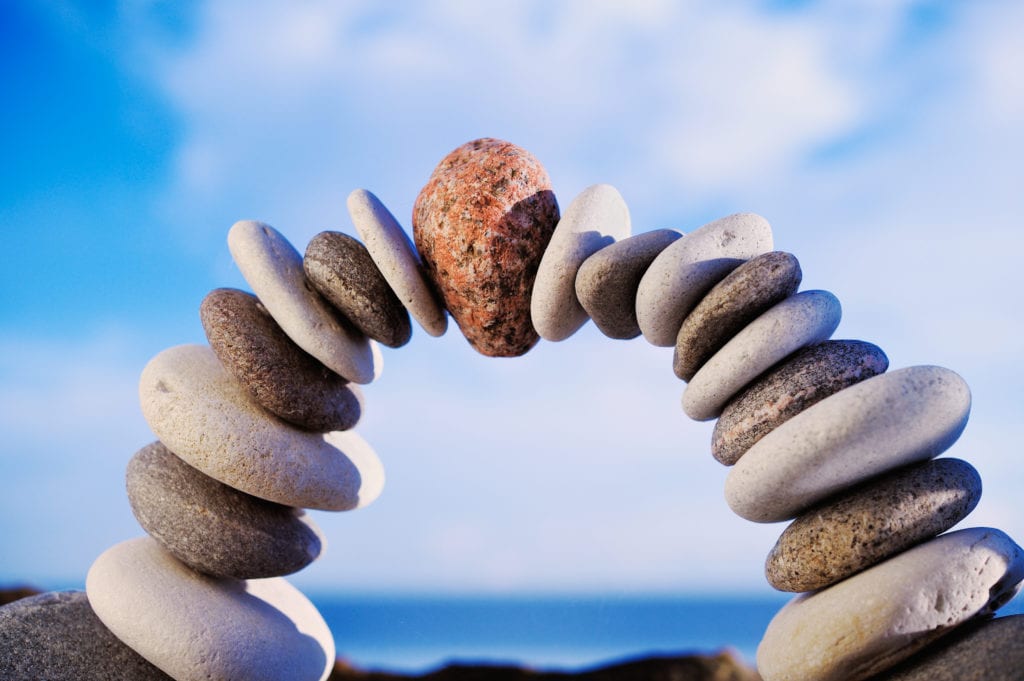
(481, 225)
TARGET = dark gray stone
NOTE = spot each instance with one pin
(215, 528)
(278, 374)
(881, 518)
(57, 637)
(342, 270)
(804, 378)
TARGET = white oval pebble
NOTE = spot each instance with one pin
(596, 218)
(800, 320)
(195, 627)
(395, 256)
(868, 622)
(890, 420)
(273, 268)
(201, 414)
(681, 275)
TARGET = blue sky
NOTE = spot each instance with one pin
(881, 139)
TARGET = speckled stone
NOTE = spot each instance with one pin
(341, 269)
(867, 623)
(805, 378)
(800, 320)
(855, 530)
(730, 305)
(273, 268)
(205, 417)
(56, 636)
(682, 273)
(397, 260)
(481, 224)
(214, 528)
(195, 627)
(607, 281)
(877, 425)
(279, 375)
(981, 650)
(596, 218)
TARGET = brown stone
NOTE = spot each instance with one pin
(481, 225)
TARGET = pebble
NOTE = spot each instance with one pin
(607, 281)
(396, 258)
(341, 269)
(201, 414)
(56, 635)
(981, 650)
(730, 305)
(805, 378)
(595, 219)
(867, 525)
(196, 627)
(273, 268)
(213, 528)
(866, 623)
(681, 275)
(481, 224)
(887, 421)
(280, 376)
(800, 320)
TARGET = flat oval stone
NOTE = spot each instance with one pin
(481, 224)
(867, 623)
(213, 528)
(596, 218)
(730, 305)
(981, 650)
(57, 636)
(273, 268)
(902, 417)
(808, 376)
(196, 627)
(855, 530)
(396, 258)
(280, 376)
(341, 269)
(607, 281)
(800, 320)
(681, 275)
(201, 414)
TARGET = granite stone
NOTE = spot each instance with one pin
(278, 375)
(805, 378)
(607, 281)
(745, 293)
(860, 528)
(481, 224)
(341, 269)
(213, 528)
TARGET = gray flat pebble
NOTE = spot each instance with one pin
(213, 528)
(280, 376)
(57, 637)
(341, 269)
(800, 320)
(730, 305)
(887, 515)
(607, 281)
(805, 378)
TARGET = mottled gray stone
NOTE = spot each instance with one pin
(804, 378)
(341, 269)
(281, 377)
(57, 637)
(730, 305)
(214, 528)
(879, 519)
(607, 281)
